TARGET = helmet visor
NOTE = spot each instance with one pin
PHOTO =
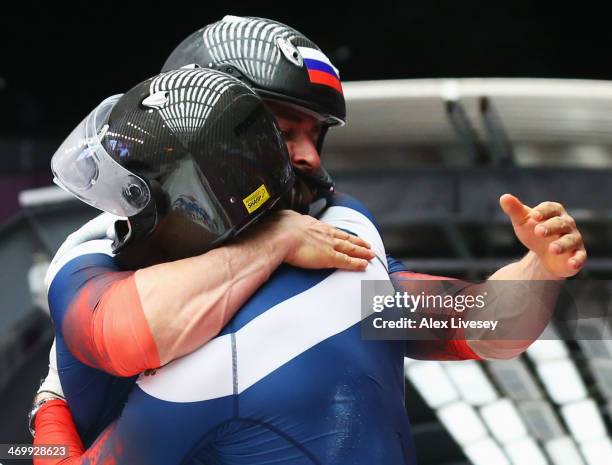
(236, 165)
(82, 167)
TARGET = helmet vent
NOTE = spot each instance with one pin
(289, 51)
(156, 100)
(191, 66)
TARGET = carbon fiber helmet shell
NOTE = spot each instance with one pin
(268, 55)
(206, 150)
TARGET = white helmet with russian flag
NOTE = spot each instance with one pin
(277, 61)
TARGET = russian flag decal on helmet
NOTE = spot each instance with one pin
(320, 69)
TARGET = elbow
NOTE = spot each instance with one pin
(127, 349)
(109, 331)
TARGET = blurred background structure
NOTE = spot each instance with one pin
(428, 149)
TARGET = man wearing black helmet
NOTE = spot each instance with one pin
(290, 72)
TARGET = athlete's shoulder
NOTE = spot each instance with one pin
(340, 199)
(349, 202)
(93, 239)
(96, 253)
(396, 266)
(347, 213)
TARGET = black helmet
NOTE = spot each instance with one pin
(277, 61)
(194, 154)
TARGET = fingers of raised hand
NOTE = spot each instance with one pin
(578, 259)
(566, 243)
(547, 210)
(556, 225)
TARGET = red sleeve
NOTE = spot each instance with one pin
(105, 326)
(54, 425)
(454, 347)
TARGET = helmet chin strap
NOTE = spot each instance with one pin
(317, 186)
(321, 179)
(316, 208)
(133, 230)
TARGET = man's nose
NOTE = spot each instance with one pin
(304, 155)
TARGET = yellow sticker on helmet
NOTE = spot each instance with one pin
(256, 199)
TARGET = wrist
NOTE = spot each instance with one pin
(535, 268)
(287, 243)
(47, 395)
(267, 246)
(279, 240)
(39, 401)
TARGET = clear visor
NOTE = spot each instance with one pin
(82, 167)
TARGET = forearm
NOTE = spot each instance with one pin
(521, 314)
(187, 302)
(54, 425)
(451, 347)
(528, 268)
(126, 322)
(526, 317)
